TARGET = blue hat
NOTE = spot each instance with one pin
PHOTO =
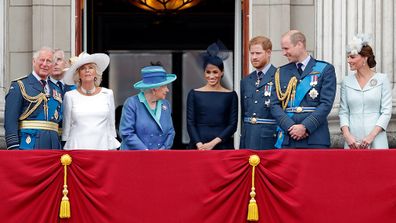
(153, 77)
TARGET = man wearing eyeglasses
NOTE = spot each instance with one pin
(33, 108)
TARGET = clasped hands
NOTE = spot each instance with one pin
(298, 132)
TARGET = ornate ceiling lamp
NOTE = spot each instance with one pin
(164, 6)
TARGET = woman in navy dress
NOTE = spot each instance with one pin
(212, 110)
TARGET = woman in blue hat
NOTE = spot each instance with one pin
(212, 110)
(146, 121)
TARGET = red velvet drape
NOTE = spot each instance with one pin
(309, 186)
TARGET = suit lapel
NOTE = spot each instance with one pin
(35, 84)
(308, 68)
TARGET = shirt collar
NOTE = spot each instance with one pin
(55, 81)
(36, 76)
(304, 62)
(266, 68)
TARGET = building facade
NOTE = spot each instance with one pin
(26, 25)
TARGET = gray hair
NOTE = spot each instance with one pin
(98, 76)
(61, 51)
(36, 54)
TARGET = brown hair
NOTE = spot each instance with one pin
(263, 41)
(367, 51)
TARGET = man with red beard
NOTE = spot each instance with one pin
(33, 108)
(259, 127)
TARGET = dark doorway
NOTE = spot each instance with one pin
(118, 25)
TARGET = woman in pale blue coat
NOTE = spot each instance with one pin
(146, 122)
(366, 100)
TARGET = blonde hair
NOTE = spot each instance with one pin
(98, 76)
(296, 36)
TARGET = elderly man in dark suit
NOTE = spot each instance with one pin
(303, 96)
(33, 108)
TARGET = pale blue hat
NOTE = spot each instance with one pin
(153, 77)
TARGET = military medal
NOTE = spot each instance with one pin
(314, 80)
(313, 93)
(257, 82)
(28, 139)
(268, 89)
(373, 82)
(56, 115)
(57, 96)
(267, 102)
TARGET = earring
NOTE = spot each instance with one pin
(95, 78)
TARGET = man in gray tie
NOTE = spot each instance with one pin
(258, 125)
(56, 77)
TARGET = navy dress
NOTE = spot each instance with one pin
(212, 114)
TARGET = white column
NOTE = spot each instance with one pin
(2, 71)
(337, 21)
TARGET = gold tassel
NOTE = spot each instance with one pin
(253, 214)
(65, 203)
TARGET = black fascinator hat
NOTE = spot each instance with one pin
(215, 54)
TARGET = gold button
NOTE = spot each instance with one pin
(253, 120)
(299, 109)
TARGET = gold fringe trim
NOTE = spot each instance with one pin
(65, 203)
(253, 214)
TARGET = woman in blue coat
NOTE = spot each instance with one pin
(366, 100)
(146, 121)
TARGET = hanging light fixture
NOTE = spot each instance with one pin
(164, 6)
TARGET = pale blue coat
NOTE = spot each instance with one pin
(363, 109)
(140, 130)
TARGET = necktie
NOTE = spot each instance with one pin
(299, 68)
(44, 84)
(60, 85)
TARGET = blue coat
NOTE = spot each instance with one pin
(316, 121)
(16, 105)
(254, 103)
(363, 109)
(63, 91)
(139, 129)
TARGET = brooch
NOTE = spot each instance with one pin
(164, 107)
(373, 82)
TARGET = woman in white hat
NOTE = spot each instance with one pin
(89, 114)
(146, 122)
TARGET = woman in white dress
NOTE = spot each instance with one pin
(88, 111)
(366, 100)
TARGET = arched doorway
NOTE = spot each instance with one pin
(134, 38)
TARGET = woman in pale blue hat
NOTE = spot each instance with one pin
(146, 121)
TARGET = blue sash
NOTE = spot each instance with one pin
(301, 91)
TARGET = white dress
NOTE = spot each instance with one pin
(89, 121)
(363, 109)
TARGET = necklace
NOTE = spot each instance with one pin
(88, 92)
